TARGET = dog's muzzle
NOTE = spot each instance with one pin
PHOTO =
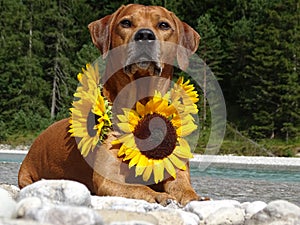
(143, 54)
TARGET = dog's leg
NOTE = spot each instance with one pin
(181, 187)
(24, 178)
(106, 187)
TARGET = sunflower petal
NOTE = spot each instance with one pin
(148, 171)
(184, 144)
(135, 159)
(126, 127)
(182, 152)
(169, 167)
(177, 162)
(141, 165)
(186, 130)
(122, 118)
(123, 139)
(140, 108)
(158, 170)
(122, 151)
(131, 155)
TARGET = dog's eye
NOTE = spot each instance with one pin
(164, 26)
(125, 23)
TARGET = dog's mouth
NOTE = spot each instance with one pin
(143, 57)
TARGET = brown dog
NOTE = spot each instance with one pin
(54, 154)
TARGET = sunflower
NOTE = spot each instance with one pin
(91, 113)
(186, 94)
(153, 139)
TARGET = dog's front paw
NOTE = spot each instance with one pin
(164, 198)
(188, 196)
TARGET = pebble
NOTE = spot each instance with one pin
(64, 192)
(122, 216)
(226, 216)
(7, 205)
(203, 209)
(68, 202)
(279, 212)
(253, 208)
(20, 222)
(12, 190)
(117, 203)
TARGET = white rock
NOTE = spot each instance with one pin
(226, 216)
(7, 205)
(62, 214)
(12, 189)
(253, 208)
(204, 208)
(189, 218)
(168, 217)
(20, 222)
(63, 192)
(27, 204)
(125, 217)
(279, 212)
(131, 223)
(244, 205)
(120, 203)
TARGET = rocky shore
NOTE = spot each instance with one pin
(67, 202)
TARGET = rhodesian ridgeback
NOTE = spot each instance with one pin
(55, 155)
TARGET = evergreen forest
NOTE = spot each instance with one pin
(252, 47)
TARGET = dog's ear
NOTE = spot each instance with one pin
(188, 40)
(100, 31)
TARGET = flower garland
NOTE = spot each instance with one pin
(153, 139)
(91, 112)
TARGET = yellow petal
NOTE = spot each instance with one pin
(177, 162)
(79, 77)
(134, 160)
(121, 151)
(158, 170)
(169, 167)
(185, 130)
(140, 108)
(184, 144)
(182, 152)
(86, 146)
(144, 161)
(123, 139)
(141, 165)
(131, 155)
(122, 118)
(126, 127)
(148, 171)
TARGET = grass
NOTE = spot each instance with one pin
(237, 143)
(25, 138)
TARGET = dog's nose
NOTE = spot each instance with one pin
(144, 35)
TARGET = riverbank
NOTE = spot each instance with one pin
(250, 200)
(17, 154)
(68, 202)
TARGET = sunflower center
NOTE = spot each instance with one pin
(155, 136)
(92, 120)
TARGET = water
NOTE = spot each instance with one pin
(279, 175)
(247, 184)
(221, 183)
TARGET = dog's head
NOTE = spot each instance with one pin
(144, 29)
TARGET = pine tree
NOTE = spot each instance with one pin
(210, 51)
(273, 96)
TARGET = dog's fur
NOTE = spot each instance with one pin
(54, 154)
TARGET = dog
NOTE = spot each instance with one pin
(55, 155)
